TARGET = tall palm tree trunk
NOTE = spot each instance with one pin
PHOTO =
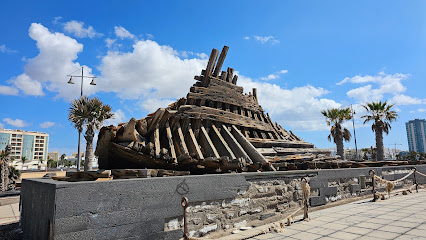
(339, 146)
(88, 158)
(379, 144)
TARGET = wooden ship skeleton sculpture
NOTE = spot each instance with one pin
(216, 128)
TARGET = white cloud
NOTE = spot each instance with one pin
(56, 59)
(109, 42)
(27, 85)
(151, 73)
(47, 124)
(384, 84)
(288, 107)
(265, 39)
(121, 32)
(421, 110)
(274, 75)
(246, 38)
(4, 49)
(8, 90)
(77, 28)
(16, 123)
(401, 99)
(150, 36)
(1, 126)
(57, 20)
(118, 117)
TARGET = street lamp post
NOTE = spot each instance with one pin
(81, 95)
(353, 124)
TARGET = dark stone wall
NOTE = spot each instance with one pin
(149, 208)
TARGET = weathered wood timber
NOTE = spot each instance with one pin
(217, 128)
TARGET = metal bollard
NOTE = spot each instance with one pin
(184, 203)
(415, 179)
(372, 173)
(306, 202)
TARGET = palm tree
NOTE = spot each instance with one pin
(63, 159)
(381, 115)
(89, 113)
(4, 165)
(23, 160)
(335, 117)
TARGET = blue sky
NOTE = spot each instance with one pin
(303, 56)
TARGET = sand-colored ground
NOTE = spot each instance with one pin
(40, 174)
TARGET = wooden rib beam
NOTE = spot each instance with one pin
(254, 155)
(220, 143)
(210, 65)
(193, 144)
(157, 141)
(181, 139)
(207, 144)
(171, 145)
(154, 122)
(219, 64)
(233, 144)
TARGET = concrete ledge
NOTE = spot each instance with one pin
(145, 208)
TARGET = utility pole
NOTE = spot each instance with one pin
(353, 124)
(81, 95)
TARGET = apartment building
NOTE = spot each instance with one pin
(416, 131)
(31, 145)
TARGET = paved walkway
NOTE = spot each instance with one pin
(9, 213)
(400, 217)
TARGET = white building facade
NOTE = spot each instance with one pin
(31, 145)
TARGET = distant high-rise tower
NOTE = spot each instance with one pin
(416, 135)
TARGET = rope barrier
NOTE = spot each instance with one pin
(422, 174)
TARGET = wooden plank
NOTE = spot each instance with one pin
(221, 145)
(171, 145)
(181, 139)
(207, 144)
(157, 141)
(235, 79)
(254, 155)
(229, 74)
(154, 122)
(219, 64)
(193, 144)
(210, 65)
(223, 75)
(233, 144)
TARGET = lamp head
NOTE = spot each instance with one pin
(93, 82)
(70, 81)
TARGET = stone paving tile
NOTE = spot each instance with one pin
(267, 237)
(380, 221)
(417, 232)
(409, 237)
(413, 220)
(306, 236)
(288, 232)
(327, 238)
(344, 235)
(315, 223)
(321, 231)
(334, 226)
(423, 226)
(401, 223)
(300, 227)
(383, 234)
(358, 230)
(369, 225)
(366, 238)
(394, 229)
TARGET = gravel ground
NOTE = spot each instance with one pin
(11, 232)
